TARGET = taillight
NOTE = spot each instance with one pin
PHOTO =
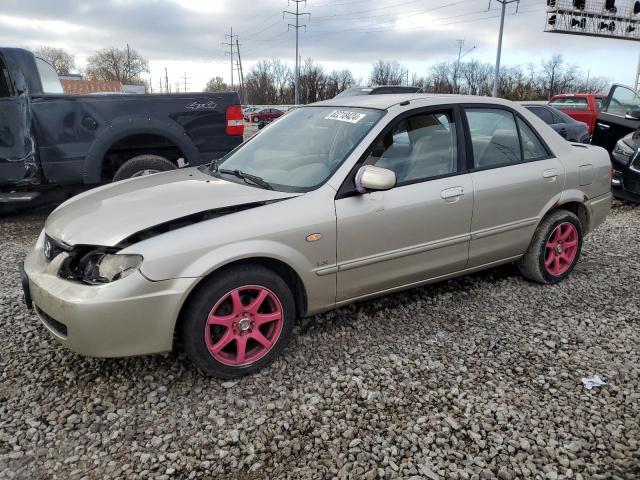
(235, 120)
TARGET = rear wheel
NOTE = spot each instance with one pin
(554, 250)
(238, 322)
(143, 165)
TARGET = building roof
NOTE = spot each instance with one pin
(81, 87)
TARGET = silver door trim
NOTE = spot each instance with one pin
(488, 232)
(419, 283)
(393, 254)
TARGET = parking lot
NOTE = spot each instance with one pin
(478, 377)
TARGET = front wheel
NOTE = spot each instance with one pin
(554, 250)
(238, 322)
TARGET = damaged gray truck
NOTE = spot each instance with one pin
(53, 145)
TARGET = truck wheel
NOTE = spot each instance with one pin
(554, 249)
(143, 165)
(238, 322)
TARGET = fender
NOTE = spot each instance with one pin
(572, 195)
(128, 125)
(218, 258)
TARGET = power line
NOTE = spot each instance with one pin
(423, 27)
(297, 26)
(381, 27)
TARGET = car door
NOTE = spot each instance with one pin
(612, 123)
(561, 126)
(16, 145)
(420, 228)
(515, 178)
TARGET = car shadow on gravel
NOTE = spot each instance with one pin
(370, 307)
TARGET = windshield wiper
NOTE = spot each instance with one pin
(247, 177)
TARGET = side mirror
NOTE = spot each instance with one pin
(633, 114)
(374, 178)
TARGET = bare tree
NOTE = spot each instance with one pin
(259, 84)
(476, 78)
(312, 82)
(388, 73)
(123, 65)
(515, 82)
(62, 61)
(216, 84)
(282, 78)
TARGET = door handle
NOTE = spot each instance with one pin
(551, 174)
(450, 193)
(603, 126)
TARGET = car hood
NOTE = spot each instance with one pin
(107, 215)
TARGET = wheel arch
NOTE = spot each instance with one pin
(130, 126)
(580, 211)
(279, 267)
(573, 201)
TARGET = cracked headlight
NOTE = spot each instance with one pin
(100, 267)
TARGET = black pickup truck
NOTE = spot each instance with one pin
(617, 130)
(49, 140)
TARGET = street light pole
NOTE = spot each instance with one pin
(496, 76)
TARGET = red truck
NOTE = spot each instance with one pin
(584, 107)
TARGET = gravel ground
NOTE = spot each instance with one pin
(477, 377)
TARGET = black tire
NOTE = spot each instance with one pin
(193, 327)
(137, 165)
(532, 264)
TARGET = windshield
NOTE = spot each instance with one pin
(302, 149)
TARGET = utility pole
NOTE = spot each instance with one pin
(496, 75)
(166, 80)
(229, 44)
(455, 73)
(242, 90)
(460, 57)
(186, 83)
(297, 26)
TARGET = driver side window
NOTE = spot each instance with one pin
(623, 100)
(419, 147)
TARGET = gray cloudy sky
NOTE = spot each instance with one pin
(186, 35)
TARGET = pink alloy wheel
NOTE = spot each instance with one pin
(562, 248)
(244, 325)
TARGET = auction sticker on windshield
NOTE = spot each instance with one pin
(345, 116)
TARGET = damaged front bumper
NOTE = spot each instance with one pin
(131, 316)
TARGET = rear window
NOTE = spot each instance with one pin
(543, 114)
(600, 103)
(570, 103)
(49, 77)
(5, 82)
